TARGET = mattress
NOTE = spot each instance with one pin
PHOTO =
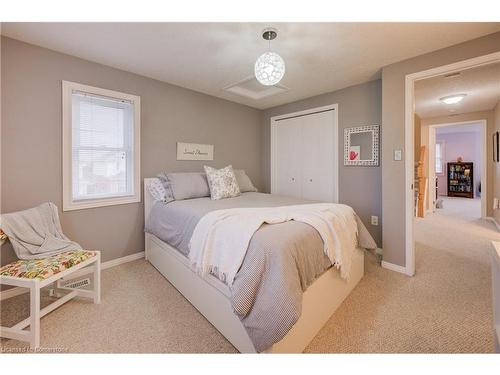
(174, 222)
(281, 262)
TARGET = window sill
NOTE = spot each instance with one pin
(104, 202)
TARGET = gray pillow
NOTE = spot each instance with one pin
(244, 181)
(188, 185)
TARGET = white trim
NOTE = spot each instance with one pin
(335, 109)
(125, 259)
(12, 292)
(492, 219)
(395, 267)
(16, 291)
(409, 142)
(68, 203)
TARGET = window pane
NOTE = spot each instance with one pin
(439, 166)
(100, 126)
(102, 139)
(439, 158)
(99, 174)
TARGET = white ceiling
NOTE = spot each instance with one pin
(482, 86)
(206, 57)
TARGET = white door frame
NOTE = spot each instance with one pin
(484, 160)
(410, 79)
(274, 119)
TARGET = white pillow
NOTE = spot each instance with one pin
(222, 182)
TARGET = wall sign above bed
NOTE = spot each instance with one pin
(194, 151)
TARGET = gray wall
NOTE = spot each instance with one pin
(360, 187)
(393, 135)
(31, 139)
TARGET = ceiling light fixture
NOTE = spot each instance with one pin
(269, 67)
(453, 99)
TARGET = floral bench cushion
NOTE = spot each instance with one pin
(42, 269)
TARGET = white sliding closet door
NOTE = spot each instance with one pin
(288, 157)
(304, 155)
(318, 156)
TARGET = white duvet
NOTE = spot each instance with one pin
(220, 239)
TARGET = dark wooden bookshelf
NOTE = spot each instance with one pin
(461, 180)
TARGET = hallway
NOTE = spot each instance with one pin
(453, 253)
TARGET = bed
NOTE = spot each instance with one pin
(212, 298)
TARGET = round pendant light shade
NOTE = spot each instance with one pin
(269, 68)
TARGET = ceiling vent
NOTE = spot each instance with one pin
(251, 88)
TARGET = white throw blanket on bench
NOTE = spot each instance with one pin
(221, 238)
(36, 233)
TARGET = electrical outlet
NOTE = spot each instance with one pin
(374, 220)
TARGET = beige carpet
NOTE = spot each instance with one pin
(445, 308)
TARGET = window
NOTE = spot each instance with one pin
(439, 158)
(101, 130)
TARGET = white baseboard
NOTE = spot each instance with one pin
(12, 292)
(492, 219)
(125, 259)
(394, 267)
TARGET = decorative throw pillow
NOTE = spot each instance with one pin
(222, 182)
(157, 190)
(166, 192)
(244, 181)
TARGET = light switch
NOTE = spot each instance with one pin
(398, 155)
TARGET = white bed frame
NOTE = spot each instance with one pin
(211, 297)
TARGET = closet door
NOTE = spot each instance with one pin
(318, 156)
(288, 157)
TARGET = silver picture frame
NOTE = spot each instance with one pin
(361, 146)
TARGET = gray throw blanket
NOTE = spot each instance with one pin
(36, 232)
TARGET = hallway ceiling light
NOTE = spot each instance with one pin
(269, 67)
(453, 99)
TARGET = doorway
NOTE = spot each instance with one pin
(452, 144)
(410, 147)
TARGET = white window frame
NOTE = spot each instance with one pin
(68, 203)
(443, 161)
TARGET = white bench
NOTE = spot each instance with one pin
(38, 273)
